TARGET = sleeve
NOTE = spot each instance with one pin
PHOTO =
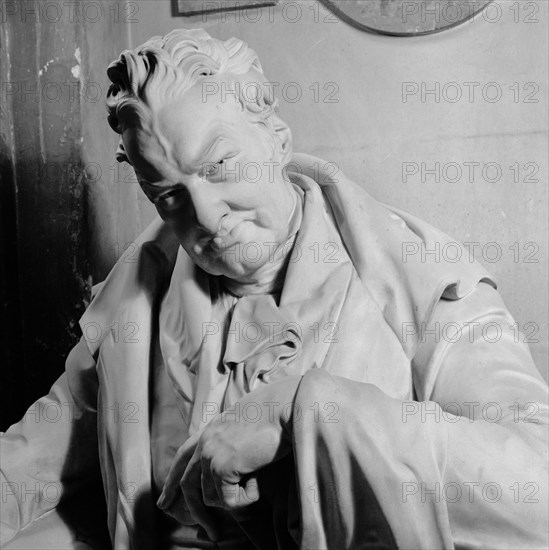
(463, 467)
(51, 453)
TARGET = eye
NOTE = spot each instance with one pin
(165, 198)
(213, 169)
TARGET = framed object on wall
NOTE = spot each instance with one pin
(406, 17)
(198, 7)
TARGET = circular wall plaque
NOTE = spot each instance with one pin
(405, 17)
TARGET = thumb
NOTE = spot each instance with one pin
(235, 495)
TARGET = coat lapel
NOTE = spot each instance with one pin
(389, 251)
(120, 321)
(117, 328)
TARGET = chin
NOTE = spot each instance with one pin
(235, 271)
(217, 268)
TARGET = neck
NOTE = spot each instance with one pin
(269, 279)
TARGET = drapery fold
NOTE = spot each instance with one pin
(370, 268)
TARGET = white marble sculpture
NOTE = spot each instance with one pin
(279, 399)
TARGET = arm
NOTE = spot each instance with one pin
(52, 452)
(488, 376)
(443, 478)
(369, 466)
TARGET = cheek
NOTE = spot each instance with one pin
(260, 147)
(187, 237)
(178, 224)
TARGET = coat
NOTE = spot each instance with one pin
(403, 275)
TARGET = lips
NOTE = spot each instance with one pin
(227, 239)
(218, 241)
(221, 244)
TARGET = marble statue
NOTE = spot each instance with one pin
(275, 397)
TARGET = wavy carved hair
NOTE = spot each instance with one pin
(162, 69)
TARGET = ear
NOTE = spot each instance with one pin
(284, 136)
(121, 153)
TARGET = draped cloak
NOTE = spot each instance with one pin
(362, 288)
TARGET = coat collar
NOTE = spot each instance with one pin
(405, 288)
(373, 236)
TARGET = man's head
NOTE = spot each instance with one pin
(198, 124)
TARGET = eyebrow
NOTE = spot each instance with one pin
(152, 191)
(206, 153)
(221, 130)
(208, 150)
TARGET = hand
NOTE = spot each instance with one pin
(213, 467)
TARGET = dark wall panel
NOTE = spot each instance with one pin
(46, 235)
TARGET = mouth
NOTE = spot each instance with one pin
(220, 243)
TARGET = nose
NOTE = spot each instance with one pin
(209, 210)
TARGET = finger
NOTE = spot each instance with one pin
(235, 495)
(251, 488)
(191, 487)
(177, 469)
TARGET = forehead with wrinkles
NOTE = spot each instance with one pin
(188, 133)
(147, 80)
